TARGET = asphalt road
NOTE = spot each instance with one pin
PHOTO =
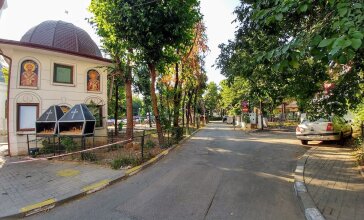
(218, 174)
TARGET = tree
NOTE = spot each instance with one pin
(314, 40)
(233, 93)
(142, 86)
(121, 54)
(211, 97)
(153, 28)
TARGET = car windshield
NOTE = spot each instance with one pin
(323, 120)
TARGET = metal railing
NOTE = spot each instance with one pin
(114, 149)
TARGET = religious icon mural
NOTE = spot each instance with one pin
(29, 73)
(93, 81)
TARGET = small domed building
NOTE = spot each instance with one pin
(54, 63)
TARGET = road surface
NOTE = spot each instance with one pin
(218, 174)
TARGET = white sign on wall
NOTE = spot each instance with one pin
(253, 118)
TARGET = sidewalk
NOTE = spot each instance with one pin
(334, 182)
(26, 187)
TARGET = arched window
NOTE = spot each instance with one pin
(95, 105)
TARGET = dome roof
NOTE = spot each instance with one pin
(62, 35)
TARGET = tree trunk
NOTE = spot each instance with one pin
(176, 99)
(150, 118)
(188, 111)
(153, 76)
(184, 109)
(194, 107)
(129, 108)
(111, 87)
(116, 108)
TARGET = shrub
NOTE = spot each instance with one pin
(69, 144)
(47, 147)
(177, 134)
(150, 144)
(123, 162)
(88, 156)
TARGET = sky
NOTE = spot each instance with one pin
(21, 15)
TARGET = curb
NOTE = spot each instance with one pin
(51, 203)
(157, 158)
(306, 202)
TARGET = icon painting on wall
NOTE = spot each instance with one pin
(93, 81)
(29, 73)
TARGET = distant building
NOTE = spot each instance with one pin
(54, 63)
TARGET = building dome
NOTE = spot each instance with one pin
(62, 35)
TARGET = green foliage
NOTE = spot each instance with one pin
(290, 48)
(124, 162)
(149, 32)
(155, 28)
(69, 144)
(246, 118)
(111, 99)
(149, 144)
(120, 126)
(211, 97)
(47, 147)
(177, 134)
(89, 156)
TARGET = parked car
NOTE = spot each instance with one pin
(333, 129)
(110, 122)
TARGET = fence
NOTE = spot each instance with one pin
(113, 150)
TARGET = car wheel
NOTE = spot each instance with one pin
(304, 142)
(341, 142)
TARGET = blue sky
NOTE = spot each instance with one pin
(21, 15)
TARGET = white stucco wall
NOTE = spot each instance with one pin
(3, 95)
(48, 93)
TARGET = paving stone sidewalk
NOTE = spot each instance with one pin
(335, 183)
(24, 185)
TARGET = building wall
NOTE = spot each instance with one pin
(3, 94)
(48, 93)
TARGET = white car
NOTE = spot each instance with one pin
(333, 129)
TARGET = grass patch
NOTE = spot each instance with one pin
(124, 162)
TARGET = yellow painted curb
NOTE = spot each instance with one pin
(165, 152)
(96, 186)
(37, 205)
(132, 170)
(153, 159)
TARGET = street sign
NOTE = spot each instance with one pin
(245, 106)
